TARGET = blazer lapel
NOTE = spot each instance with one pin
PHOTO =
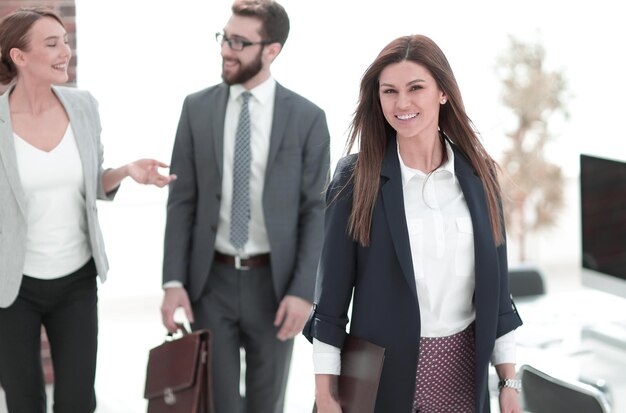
(279, 124)
(8, 157)
(486, 258)
(218, 114)
(393, 205)
(82, 130)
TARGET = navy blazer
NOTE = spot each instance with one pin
(385, 306)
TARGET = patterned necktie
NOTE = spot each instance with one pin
(240, 209)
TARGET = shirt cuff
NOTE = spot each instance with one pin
(504, 350)
(326, 358)
(172, 284)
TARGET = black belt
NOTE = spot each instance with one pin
(254, 261)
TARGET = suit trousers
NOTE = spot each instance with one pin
(67, 308)
(239, 307)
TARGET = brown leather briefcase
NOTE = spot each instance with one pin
(178, 377)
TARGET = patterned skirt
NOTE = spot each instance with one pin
(445, 374)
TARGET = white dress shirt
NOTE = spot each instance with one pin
(53, 182)
(261, 106)
(442, 249)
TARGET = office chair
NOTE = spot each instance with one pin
(526, 281)
(542, 393)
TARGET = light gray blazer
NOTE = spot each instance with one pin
(82, 110)
(293, 206)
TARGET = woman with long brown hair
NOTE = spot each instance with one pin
(415, 242)
(51, 245)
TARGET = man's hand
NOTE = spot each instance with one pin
(291, 316)
(174, 298)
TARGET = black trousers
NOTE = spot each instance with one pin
(67, 307)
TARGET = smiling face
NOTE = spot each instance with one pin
(48, 54)
(249, 66)
(410, 99)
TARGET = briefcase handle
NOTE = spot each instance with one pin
(182, 330)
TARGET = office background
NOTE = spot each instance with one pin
(140, 58)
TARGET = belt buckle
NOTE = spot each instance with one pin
(238, 265)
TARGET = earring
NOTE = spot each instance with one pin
(443, 101)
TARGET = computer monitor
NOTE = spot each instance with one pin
(603, 236)
(603, 223)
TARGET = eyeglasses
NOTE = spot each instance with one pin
(237, 44)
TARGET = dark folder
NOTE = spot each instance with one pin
(361, 366)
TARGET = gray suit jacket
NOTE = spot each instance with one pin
(82, 110)
(297, 172)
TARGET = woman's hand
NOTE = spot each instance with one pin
(326, 394)
(143, 171)
(509, 401)
(146, 171)
(329, 405)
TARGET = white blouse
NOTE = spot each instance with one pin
(57, 243)
(442, 248)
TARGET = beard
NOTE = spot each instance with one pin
(245, 72)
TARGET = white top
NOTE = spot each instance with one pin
(442, 250)
(442, 247)
(57, 243)
(261, 106)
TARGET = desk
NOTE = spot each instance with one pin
(551, 338)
